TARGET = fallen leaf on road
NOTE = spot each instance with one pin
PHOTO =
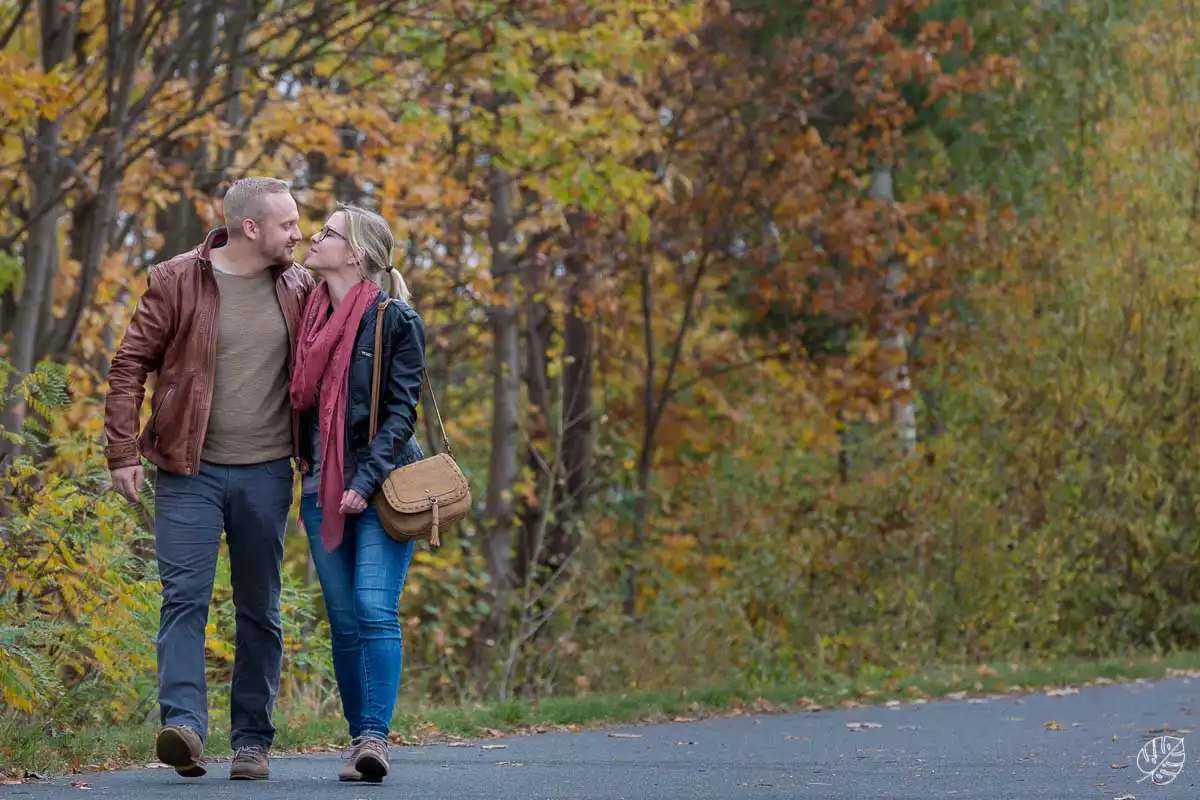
(862, 726)
(494, 747)
(1119, 766)
(1062, 692)
(683, 719)
(459, 744)
(892, 704)
(79, 785)
(11, 782)
(957, 696)
(624, 736)
(1052, 725)
(509, 764)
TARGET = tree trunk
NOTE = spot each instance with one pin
(93, 219)
(181, 224)
(894, 340)
(541, 447)
(645, 465)
(503, 467)
(40, 256)
(578, 386)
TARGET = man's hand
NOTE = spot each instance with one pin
(353, 502)
(128, 482)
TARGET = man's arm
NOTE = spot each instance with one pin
(139, 354)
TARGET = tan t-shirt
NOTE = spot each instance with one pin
(251, 417)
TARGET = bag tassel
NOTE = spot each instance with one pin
(433, 536)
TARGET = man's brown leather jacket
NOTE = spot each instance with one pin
(174, 333)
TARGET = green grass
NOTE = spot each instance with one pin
(26, 747)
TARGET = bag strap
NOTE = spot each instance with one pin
(375, 380)
(377, 366)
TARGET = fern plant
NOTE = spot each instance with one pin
(76, 615)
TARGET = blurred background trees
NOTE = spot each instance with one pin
(776, 338)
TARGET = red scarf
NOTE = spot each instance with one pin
(320, 369)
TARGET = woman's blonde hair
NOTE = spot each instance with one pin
(370, 236)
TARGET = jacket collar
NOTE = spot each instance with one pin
(219, 237)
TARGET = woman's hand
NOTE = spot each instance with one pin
(353, 502)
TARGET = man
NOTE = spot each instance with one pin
(216, 324)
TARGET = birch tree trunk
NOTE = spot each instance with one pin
(894, 340)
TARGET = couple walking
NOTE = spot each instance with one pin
(257, 365)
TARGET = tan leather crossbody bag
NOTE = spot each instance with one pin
(418, 500)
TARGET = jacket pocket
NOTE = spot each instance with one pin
(152, 425)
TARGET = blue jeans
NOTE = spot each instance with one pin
(361, 581)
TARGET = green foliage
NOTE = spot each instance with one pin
(1052, 516)
(12, 273)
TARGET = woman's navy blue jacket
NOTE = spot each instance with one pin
(367, 463)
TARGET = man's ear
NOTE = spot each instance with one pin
(250, 229)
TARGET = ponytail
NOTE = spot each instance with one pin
(396, 286)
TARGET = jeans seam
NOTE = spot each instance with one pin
(368, 712)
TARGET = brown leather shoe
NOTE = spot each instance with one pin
(250, 764)
(372, 759)
(350, 772)
(180, 747)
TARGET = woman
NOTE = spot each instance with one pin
(361, 569)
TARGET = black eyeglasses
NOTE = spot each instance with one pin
(321, 234)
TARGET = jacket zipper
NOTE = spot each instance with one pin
(350, 462)
(287, 321)
(153, 424)
(206, 396)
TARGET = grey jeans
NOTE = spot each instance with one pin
(250, 504)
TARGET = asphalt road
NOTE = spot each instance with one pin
(1082, 745)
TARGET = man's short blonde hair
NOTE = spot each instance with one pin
(243, 201)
